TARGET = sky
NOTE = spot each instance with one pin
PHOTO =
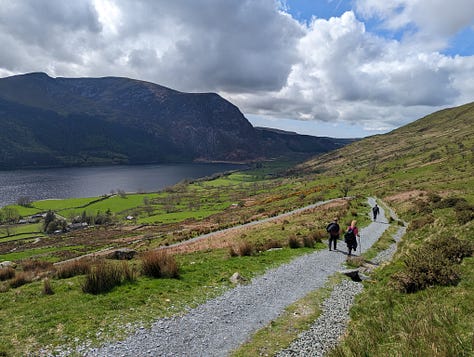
(338, 68)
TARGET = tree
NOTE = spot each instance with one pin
(9, 215)
(6, 231)
(50, 217)
(346, 185)
(24, 201)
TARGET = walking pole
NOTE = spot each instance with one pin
(360, 247)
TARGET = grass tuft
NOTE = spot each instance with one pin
(20, 279)
(308, 242)
(37, 266)
(129, 272)
(159, 264)
(102, 278)
(47, 288)
(294, 242)
(243, 249)
(72, 268)
(7, 273)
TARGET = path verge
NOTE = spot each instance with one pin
(222, 324)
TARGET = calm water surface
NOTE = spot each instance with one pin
(96, 181)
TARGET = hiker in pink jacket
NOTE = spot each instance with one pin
(350, 237)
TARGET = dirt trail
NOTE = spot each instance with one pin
(217, 239)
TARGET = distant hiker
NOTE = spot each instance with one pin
(350, 237)
(333, 229)
(375, 211)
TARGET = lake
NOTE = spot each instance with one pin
(96, 181)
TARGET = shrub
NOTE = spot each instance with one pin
(294, 242)
(432, 264)
(308, 242)
(319, 235)
(246, 249)
(434, 197)
(102, 278)
(271, 244)
(159, 264)
(420, 222)
(47, 288)
(7, 273)
(452, 248)
(422, 207)
(423, 270)
(37, 265)
(72, 268)
(465, 216)
(464, 212)
(232, 252)
(20, 279)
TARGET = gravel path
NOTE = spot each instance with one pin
(328, 328)
(224, 323)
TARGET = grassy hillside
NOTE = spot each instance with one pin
(433, 153)
(423, 171)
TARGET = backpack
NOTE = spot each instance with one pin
(332, 229)
(349, 236)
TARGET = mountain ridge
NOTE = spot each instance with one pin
(89, 118)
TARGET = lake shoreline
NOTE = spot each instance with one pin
(97, 181)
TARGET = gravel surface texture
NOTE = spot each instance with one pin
(330, 325)
(224, 323)
(325, 332)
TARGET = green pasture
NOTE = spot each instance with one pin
(45, 253)
(62, 204)
(25, 211)
(21, 229)
(70, 314)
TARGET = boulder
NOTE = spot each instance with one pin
(122, 254)
(236, 278)
(8, 264)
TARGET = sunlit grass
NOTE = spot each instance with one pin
(61, 204)
(70, 313)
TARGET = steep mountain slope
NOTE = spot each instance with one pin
(435, 152)
(421, 303)
(81, 121)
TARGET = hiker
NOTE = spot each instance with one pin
(350, 237)
(375, 211)
(333, 229)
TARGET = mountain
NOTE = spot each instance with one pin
(89, 121)
(435, 152)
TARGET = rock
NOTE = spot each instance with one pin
(122, 254)
(8, 264)
(236, 278)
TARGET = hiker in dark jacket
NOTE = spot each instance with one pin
(334, 230)
(375, 211)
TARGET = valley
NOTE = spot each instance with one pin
(423, 171)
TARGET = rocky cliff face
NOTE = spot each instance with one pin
(82, 121)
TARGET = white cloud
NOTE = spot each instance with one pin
(348, 74)
(428, 23)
